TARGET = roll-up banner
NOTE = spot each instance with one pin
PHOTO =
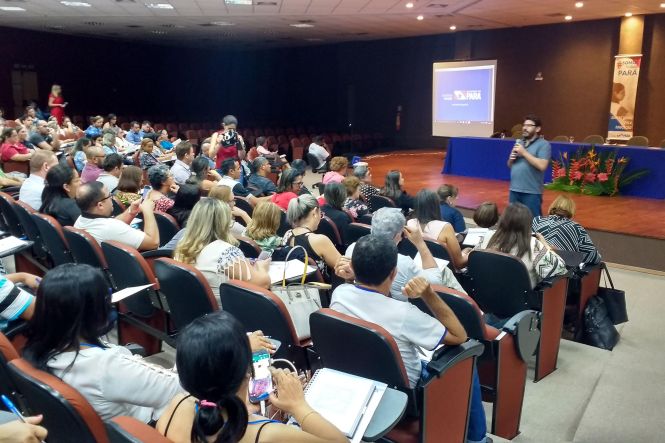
(624, 93)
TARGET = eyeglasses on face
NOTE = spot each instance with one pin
(105, 198)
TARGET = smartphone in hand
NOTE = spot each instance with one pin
(260, 385)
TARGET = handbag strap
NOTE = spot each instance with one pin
(607, 274)
(286, 262)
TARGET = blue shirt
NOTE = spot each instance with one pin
(110, 150)
(454, 217)
(166, 145)
(93, 132)
(524, 177)
(134, 137)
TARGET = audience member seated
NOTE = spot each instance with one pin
(224, 194)
(108, 143)
(514, 236)
(26, 430)
(338, 167)
(335, 195)
(259, 184)
(231, 172)
(163, 140)
(205, 152)
(353, 203)
(151, 156)
(561, 232)
(32, 187)
(390, 223)
(208, 245)
(262, 150)
(94, 200)
(394, 190)
(214, 366)
(15, 302)
(73, 310)
(300, 165)
(129, 185)
(364, 174)
(187, 196)
(42, 139)
(374, 261)
(95, 128)
(449, 213)
(202, 175)
(133, 136)
(78, 153)
(11, 149)
(486, 215)
(93, 167)
(161, 180)
(263, 227)
(112, 166)
(23, 135)
(318, 151)
(112, 125)
(305, 215)
(62, 183)
(428, 221)
(181, 168)
(288, 188)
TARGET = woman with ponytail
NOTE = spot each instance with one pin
(214, 365)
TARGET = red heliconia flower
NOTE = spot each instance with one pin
(576, 175)
(609, 164)
(589, 177)
(602, 177)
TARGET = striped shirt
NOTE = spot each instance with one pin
(567, 235)
(13, 301)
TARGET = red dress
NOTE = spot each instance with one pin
(57, 111)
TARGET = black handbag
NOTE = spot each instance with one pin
(598, 328)
(615, 299)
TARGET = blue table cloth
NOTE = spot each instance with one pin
(487, 157)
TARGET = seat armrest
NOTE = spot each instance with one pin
(524, 327)
(129, 430)
(156, 253)
(549, 282)
(448, 356)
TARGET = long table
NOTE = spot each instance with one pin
(486, 158)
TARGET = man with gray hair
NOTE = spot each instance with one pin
(389, 222)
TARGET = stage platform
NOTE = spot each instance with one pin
(631, 230)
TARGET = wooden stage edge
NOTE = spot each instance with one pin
(631, 216)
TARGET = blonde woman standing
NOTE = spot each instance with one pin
(56, 103)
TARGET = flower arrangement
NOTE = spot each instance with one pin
(592, 173)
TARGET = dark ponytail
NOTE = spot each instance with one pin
(213, 361)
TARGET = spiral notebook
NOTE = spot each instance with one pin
(340, 398)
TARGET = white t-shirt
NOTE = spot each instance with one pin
(408, 269)
(409, 326)
(13, 300)
(105, 229)
(319, 152)
(214, 260)
(31, 191)
(431, 230)
(116, 383)
(110, 181)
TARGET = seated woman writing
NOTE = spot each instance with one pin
(514, 236)
(428, 221)
(214, 366)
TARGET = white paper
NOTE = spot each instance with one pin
(369, 412)
(9, 243)
(124, 293)
(474, 236)
(440, 263)
(294, 269)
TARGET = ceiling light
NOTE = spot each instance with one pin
(579, 4)
(628, 14)
(11, 8)
(420, 17)
(222, 23)
(239, 2)
(159, 5)
(662, 5)
(301, 25)
(453, 27)
(568, 18)
(409, 5)
(77, 4)
(158, 31)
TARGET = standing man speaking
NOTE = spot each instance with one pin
(527, 162)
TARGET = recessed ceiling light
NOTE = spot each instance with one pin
(239, 2)
(409, 5)
(77, 4)
(159, 5)
(662, 5)
(222, 24)
(579, 4)
(11, 8)
(453, 27)
(568, 18)
(301, 25)
(628, 14)
(420, 17)
(158, 32)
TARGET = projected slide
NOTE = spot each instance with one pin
(463, 98)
